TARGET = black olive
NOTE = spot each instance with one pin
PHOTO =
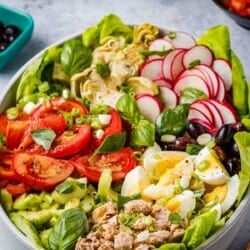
(3, 38)
(195, 129)
(233, 165)
(225, 134)
(11, 30)
(179, 144)
(234, 149)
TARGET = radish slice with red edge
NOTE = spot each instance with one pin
(218, 119)
(227, 112)
(199, 54)
(168, 97)
(197, 114)
(177, 66)
(167, 63)
(149, 106)
(223, 68)
(203, 108)
(221, 90)
(181, 40)
(192, 81)
(163, 82)
(161, 45)
(152, 69)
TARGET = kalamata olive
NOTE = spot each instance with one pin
(179, 144)
(195, 129)
(234, 149)
(3, 38)
(220, 152)
(233, 165)
(225, 134)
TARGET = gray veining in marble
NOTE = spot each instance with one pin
(55, 19)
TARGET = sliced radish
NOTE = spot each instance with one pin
(200, 53)
(209, 126)
(191, 81)
(218, 119)
(220, 96)
(223, 68)
(149, 106)
(162, 82)
(227, 111)
(167, 63)
(177, 66)
(210, 74)
(199, 73)
(161, 45)
(180, 39)
(152, 69)
(195, 114)
(203, 108)
(168, 97)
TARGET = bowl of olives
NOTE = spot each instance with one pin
(16, 28)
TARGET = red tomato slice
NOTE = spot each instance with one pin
(54, 121)
(15, 132)
(71, 142)
(17, 189)
(41, 172)
(6, 170)
(114, 127)
(3, 123)
(57, 104)
(121, 162)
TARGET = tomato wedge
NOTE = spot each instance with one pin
(57, 104)
(121, 162)
(6, 170)
(71, 142)
(114, 127)
(3, 123)
(41, 172)
(17, 188)
(53, 121)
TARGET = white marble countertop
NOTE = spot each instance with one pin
(56, 19)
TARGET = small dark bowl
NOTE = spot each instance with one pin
(240, 20)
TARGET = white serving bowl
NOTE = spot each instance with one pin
(220, 240)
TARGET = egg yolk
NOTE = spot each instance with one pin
(217, 191)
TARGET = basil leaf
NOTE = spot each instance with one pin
(143, 134)
(103, 70)
(175, 219)
(75, 57)
(128, 109)
(172, 121)
(193, 149)
(189, 95)
(43, 137)
(71, 225)
(111, 144)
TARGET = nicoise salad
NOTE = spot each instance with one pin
(127, 137)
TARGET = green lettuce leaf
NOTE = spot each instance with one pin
(110, 25)
(243, 141)
(217, 38)
(240, 88)
(172, 246)
(199, 229)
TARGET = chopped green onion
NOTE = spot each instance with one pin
(65, 93)
(12, 113)
(44, 87)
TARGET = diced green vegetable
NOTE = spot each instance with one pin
(27, 201)
(72, 203)
(172, 246)
(6, 200)
(27, 228)
(44, 236)
(88, 203)
(104, 183)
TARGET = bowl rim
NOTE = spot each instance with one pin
(210, 242)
